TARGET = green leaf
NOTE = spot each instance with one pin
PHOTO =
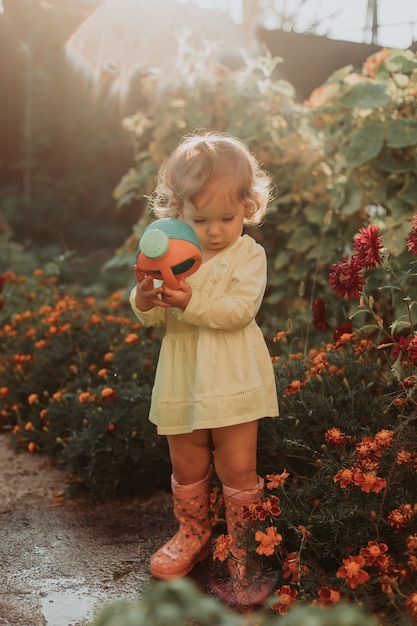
(302, 239)
(281, 259)
(410, 193)
(365, 95)
(397, 326)
(396, 368)
(389, 163)
(365, 144)
(401, 61)
(401, 133)
(369, 329)
(353, 200)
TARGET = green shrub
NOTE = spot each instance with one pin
(343, 159)
(76, 376)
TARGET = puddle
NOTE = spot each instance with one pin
(63, 606)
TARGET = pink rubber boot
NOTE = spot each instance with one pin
(192, 543)
(248, 585)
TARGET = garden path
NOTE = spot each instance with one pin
(62, 559)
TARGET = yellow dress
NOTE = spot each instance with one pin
(214, 368)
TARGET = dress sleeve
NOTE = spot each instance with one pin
(241, 300)
(152, 318)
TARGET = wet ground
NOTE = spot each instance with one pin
(61, 560)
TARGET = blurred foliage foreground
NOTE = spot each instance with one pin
(339, 517)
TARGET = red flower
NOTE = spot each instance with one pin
(368, 245)
(401, 345)
(318, 308)
(412, 237)
(346, 278)
(352, 571)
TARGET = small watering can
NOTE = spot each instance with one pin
(169, 250)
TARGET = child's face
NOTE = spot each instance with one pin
(215, 217)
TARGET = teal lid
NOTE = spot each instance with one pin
(167, 228)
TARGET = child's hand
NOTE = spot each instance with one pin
(178, 298)
(147, 296)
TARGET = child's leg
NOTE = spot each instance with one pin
(191, 482)
(235, 450)
(191, 456)
(235, 455)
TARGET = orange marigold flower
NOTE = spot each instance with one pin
(411, 604)
(345, 477)
(412, 543)
(108, 393)
(108, 357)
(268, 541)
(295, 386)
(387, 584)
(131, 338)
(223, 544)
(399, 518)
(111, 427)
(404, 457)
(352, 571)
(102, 373)
(366, 448)
(58, 395)
(292, 569)
(41, 344)
(345, 338)
(33, 398)
(375, 553)
(369, 482)
(32, 447)
(384, 438)
(4, 391)
(329, 596)
(335, 437)
(29, 426)
(276, 480)
(286, 599)
(280, 335)
(304, 532)
(95, 319)
(84, 397)
(262, 508)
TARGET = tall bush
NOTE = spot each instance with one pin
(343, 159)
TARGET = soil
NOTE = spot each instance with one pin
(61, 559)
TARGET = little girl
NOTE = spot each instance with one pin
(214, 378)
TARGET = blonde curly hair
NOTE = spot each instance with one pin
(202, 158)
